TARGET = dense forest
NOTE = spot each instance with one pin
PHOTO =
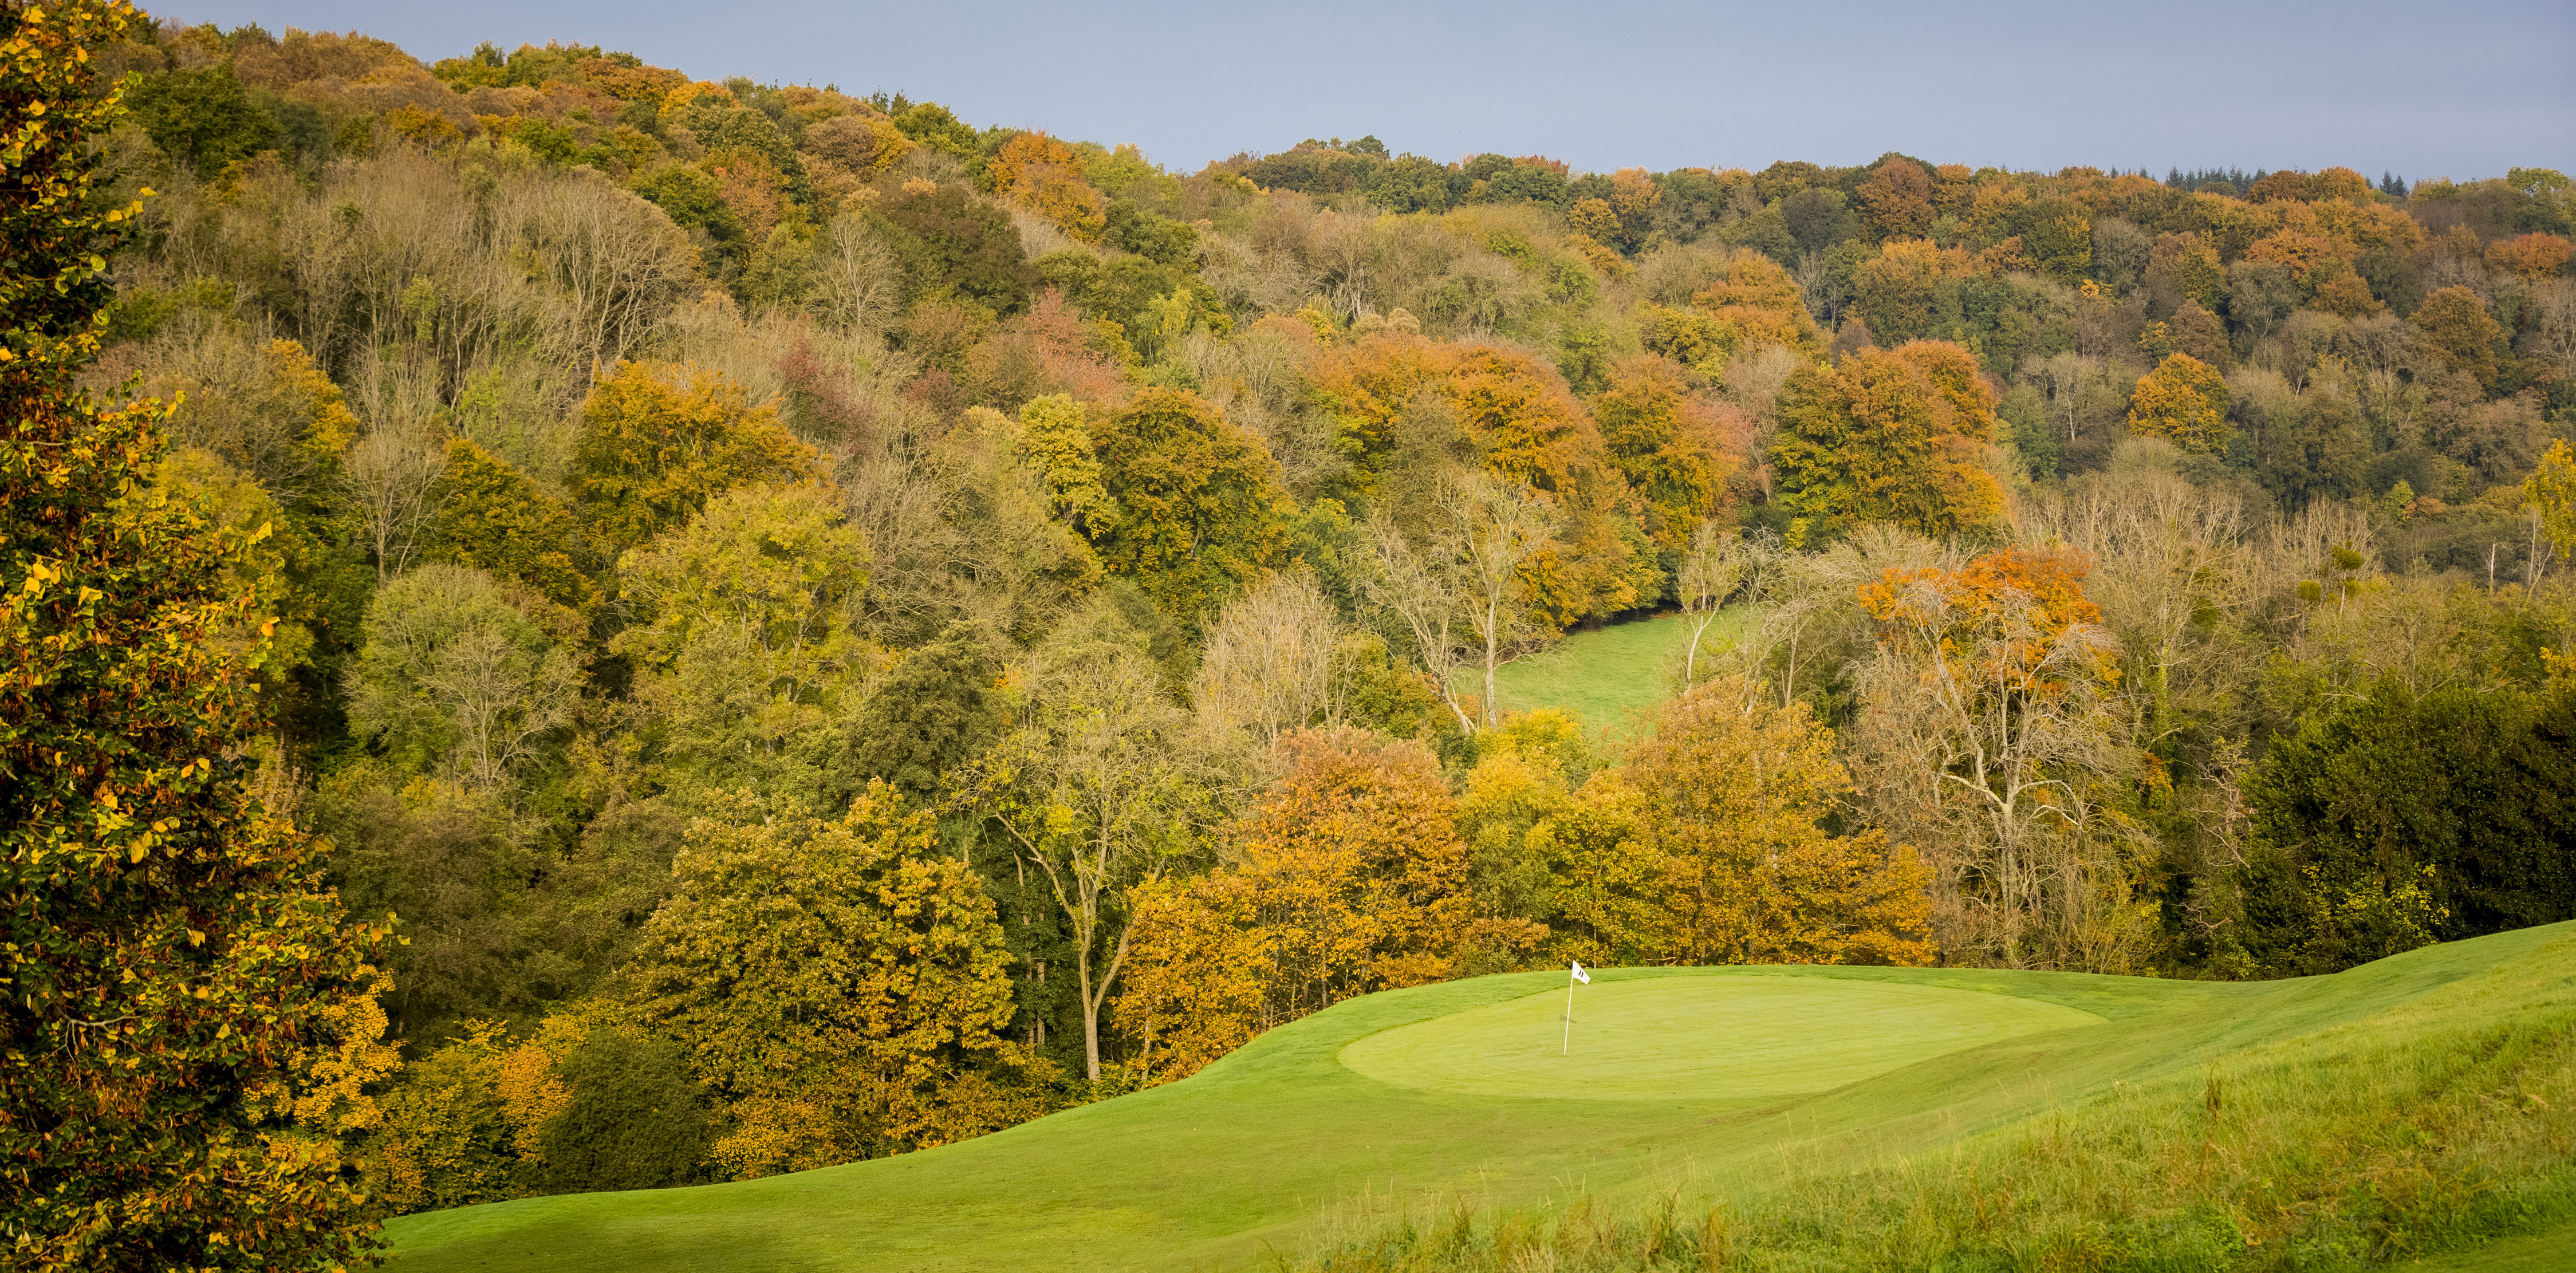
(796, 628)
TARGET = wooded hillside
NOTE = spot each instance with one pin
(828, 630)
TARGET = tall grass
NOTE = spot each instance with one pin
(2445, 1119)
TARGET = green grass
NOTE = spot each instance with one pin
(1697, 1039)
(1608, 677)
(2415, 1092)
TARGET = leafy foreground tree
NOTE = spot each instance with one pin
(841, 984)
(189, 1018)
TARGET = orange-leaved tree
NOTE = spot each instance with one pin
(1756, 303)
(1199, 982)
(1355, 865)
(1896, 201)
(1676, 447)
(190, 1017)
(1516, 413)
(1734, 791)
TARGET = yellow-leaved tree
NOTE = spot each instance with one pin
(1735, 790)
(2184, 400)
(191, 1016)
(1045, 176)
(841, 986)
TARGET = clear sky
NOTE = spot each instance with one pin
(2424, 89)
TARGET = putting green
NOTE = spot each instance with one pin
(1697, 1038)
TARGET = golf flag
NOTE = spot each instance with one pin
(1566, 1047)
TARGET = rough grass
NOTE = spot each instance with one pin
(2407, 1106)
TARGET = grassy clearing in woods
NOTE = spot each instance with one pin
(1609, 677)
(2412, 1105)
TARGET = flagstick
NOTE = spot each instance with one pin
(1568, 1049)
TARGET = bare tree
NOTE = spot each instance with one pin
(2175, 574)
(1711, 568)
(1414, 587)
(389, 481)
(1269, 658)
(1344, 249)
(859, 284)
(617, 264)
(1987, 742)
(1501, 525)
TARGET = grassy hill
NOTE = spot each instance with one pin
(2427, 1099)
(1607, 677)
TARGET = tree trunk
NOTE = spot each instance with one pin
(1090, 1011)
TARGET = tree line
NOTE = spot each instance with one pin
(708, 629)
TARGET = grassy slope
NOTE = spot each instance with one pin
(1607, 677)
(1253, 1153)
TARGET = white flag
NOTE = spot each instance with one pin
(1580, 975)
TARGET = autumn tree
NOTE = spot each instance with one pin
(494, 517)
(1736, 791)
(454, 681)
(1197, 500)
(658, 441)
(1757, 303)
(1988, 737)
(1096, 789)
(1045, 176)
(1055, 441)
(1676, 449)
(1898, 293)
(1417, 588)
(1891, 436)
(1417, 415)
(2550, 493)
(1200, 982)
(840, 984)
(865, 143)
(1355, 865)
(743, 645)
(940, 707)
(1268, 665)
(2184, 400)
(190, 1019)
(2459, 328)
(1897, 200)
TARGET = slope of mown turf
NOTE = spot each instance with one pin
(1251, 1154)
(1697, 1038)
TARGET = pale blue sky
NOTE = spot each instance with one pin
(2424, 89)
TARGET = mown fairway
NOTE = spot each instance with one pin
(1721, 1077)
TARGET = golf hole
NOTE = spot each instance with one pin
(1697, 1038)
